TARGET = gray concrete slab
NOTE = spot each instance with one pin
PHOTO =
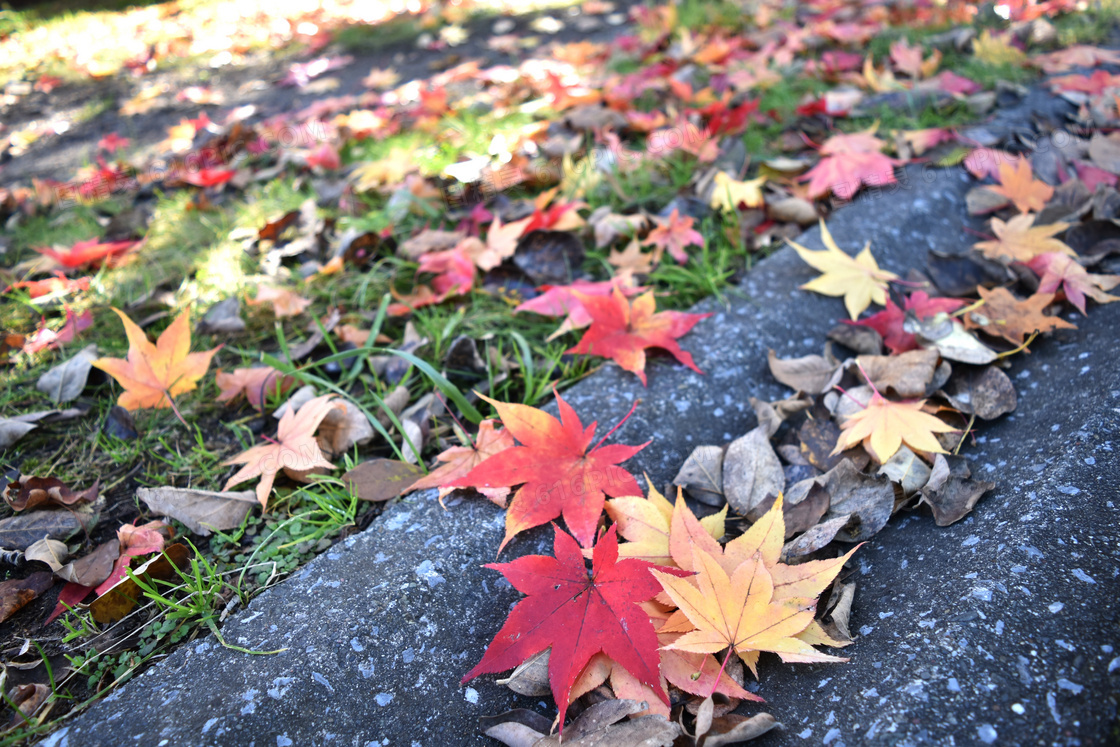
(1000, 629)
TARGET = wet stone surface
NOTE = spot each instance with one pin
(1000, 629)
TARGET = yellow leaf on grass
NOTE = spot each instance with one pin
(153, 374)
(730, 193)
(883, 426)
(857, 279)
(997, 50)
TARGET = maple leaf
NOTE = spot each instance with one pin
(1061, 270)
(294, 450)
(889, 322)
(558, 473)
(255, 383)
(153, 374)
(650, 525)
(91, 253)
(997, 50)
(729, 193)
(622, 331)
(206, 177)
(561, 300)
(1019, 240)
(673, 234)
(44, 337)
(285, 302)
(501, 240)
(578, 614)
(1078, 55)
(1004, 315)
(134, 542)
(458, 461)
(883, 426)
(387, 171)
(858, 279)
(59, 284)
(849, 161)
(739, 610)
(1020, 186)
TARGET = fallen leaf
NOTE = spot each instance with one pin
(201, 511)
(1004, 315)
(907, 470)
(622, 330)
(116, 602)
(674, 234)
(811, 374)
(1019, 240)
(907, 375)
(859, 280)
(1062, 271)
(997, 50)
(88, 253)
(154, 374)
(20, 532)
(950, 493)
(66, 381)
(889, 322)
(1019, 186)
(702, 475)
(135, 541)
(578, 614)
(257, 384)
(883, 426)
(295, 450)
(601, 724)
(728, 194)
(852, 494)
(647, 525)
(52, 552)
(751, 473)
(26, 699)
(458, 461)
(285, 302)
(849, 161)
(379, 480)
(558, 473)
(987, 392)
(36, 492)
(17, 592)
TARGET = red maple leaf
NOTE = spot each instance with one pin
(849, 161)
(58, 284)
(209, 177)
(558, 473)
(578, 614)
(90, 252)
(622, 331)
(888, 323)
(45, 337)
(561, 300)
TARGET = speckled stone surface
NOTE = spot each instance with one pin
(1000, 629)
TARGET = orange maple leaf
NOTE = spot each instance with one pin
(458, 461)
(1019, 185)
(285, 302)
(1004, 315)
(294, 450)
(255, 383)
(153, 374)
(883, 426)
(1019, 240)
(622, 331)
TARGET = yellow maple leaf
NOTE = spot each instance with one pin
(883, 426)
(153, 374)
(385, 172)
(650, 524)
(730, 193)
(1020, 240)
(997, 50)
(739, 610)
(857, 279)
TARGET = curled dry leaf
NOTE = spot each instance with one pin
(907, 470)
(949, 337)
(35, 492)
(52, 552)
(27, 699)
(811, 374)
(202, 511)
(20, 532)
(951, 493)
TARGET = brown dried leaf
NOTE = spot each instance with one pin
(378, 480)
(751, 473)
(812, 374)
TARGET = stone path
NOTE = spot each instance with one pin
(1000, 629)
